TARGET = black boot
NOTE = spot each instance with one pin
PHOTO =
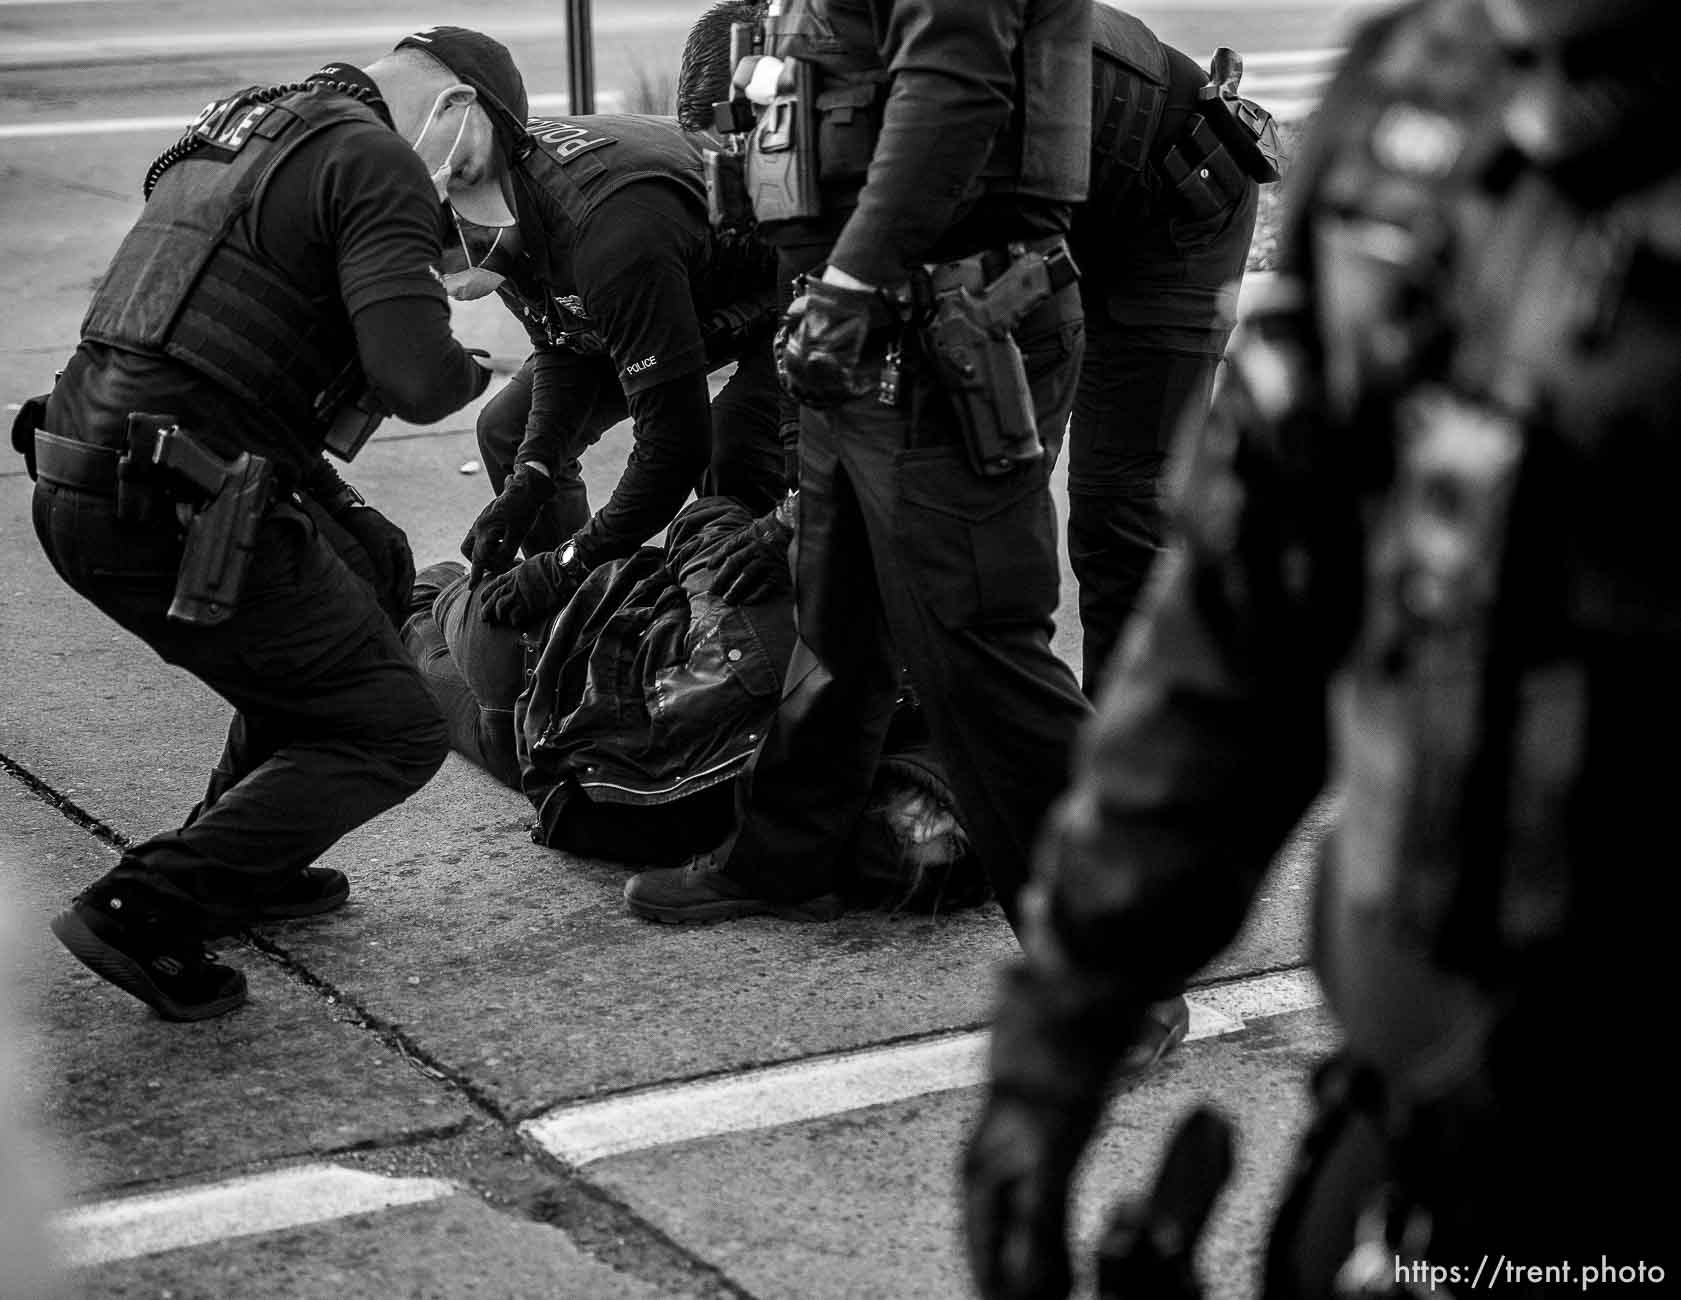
(127, 940)
(311, 892)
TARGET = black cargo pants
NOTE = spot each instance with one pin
(1159, 312)
(907, 556)
(333, 725)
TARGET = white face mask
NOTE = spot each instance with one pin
(441, 173)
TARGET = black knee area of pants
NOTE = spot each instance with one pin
(500, 430)
(416, 750)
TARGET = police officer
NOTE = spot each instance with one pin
(919, 159)
(630, 300)
(1161, 242)
(277, 295)
(1427, 553)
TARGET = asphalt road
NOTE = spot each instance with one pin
(481, 1078)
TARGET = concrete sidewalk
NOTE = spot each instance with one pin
(473, 982)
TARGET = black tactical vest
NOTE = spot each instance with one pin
(187, 282)
(1129, 86)
(1040, 154)
(575, 163)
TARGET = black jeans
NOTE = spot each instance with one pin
(907, 556)
(475, 670)
(746, 457)
(333, 724)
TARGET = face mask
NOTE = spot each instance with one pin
(441, 173)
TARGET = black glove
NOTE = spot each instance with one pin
(502, 525)
(534, 588)
(1057, 1035)
(754, 562)
(388, 551)
(1017, 1168)
(820, 347)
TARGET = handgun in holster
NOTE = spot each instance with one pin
(347, 411)
(1147, 1249)
(1243, 126)
(227, 500)
(727, 203)
(969, 337)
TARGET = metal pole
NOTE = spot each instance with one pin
(580, 57)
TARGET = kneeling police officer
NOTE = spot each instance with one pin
(278, 295)
(631, 299)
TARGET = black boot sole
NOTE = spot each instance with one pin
(116, 967)
(825, 907)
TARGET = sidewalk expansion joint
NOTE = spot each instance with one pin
(599, 1224)
(71, 810)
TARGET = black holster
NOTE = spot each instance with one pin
(227, 500)
(969, 337)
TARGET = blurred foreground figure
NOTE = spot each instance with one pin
(28, 1184)
(1428, 555)
(277, 297)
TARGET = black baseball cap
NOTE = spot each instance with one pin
(483, 63)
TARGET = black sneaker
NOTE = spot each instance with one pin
(311, 892)
(145, 957)
(700, 893)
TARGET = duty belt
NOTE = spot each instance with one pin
(72, 464)
(978, 270)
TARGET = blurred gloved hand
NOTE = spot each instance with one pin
(754, 562)
(388, 551)
(534, 588)
(495, 537)
(1017, 1168)
(820, 347)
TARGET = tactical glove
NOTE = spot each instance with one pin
(820, 347)
(754, 562)
(1017, 1169)
(534, 588)
(495, 537)
(388, 551)
(1058, 1037)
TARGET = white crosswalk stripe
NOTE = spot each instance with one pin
(812, 1089)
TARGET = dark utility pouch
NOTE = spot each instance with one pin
(847, 127)
(1202, 171)
(31, 416)
(727, 204)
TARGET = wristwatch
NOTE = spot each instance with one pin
(571, 563)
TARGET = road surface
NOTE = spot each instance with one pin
(481, 1078)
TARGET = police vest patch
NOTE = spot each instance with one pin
(229, 123)
(566, 140)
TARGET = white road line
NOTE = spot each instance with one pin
(607, 102)
(834, 1085)
(34, 51)
(287, 1198)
